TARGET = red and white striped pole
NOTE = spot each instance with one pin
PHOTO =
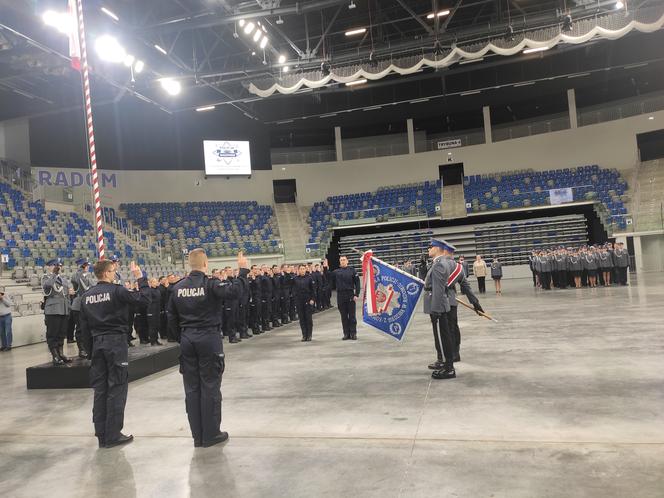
(92, 153)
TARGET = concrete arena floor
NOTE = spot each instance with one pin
(565, 397)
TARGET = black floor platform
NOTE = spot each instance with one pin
(144, 360)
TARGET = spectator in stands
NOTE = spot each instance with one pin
(5, 321)
(497, 274)
(480, 271)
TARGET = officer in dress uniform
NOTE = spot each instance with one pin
(291, 308)
(163, 293)
(80, 283)
(606, 266)
(194, 312)
(318, 282)
(437, 302)
(347, 284)
(276, 296)
(304, 301)
(57, 306)
(154, 312)
(104, 323)
(327, 288)
(254, 301)
(286, 290)
(621, 262)
(266, 297)
(243, 311)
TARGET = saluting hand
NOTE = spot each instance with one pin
(135, 270)
(242, 261)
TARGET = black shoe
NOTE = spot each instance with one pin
(234, 340)
(156, 343)
(56, 357)
(345, 338)
(222, 437)
(276, 325)
(353, 338)
(244, 335)
(445, 373)
(82, 354)
(304, 339)
(457, 357)
(8, 348)
(257, 332)
(102, 441)
(131, 344)
(119, 441)
(3, 348)
(437, 365)
(62, 355)
(308, 339)
(267, 329)
(144, 342)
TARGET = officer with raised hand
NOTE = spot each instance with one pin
(347, 284)
(194, 313)
(103, 318)
(56, 291)
(80, 283)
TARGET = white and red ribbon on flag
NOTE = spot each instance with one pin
(368, 284)
(79, 60)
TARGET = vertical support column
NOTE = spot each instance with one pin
(411, 136)
(337, 143)
(486, 111)
(638, 254)
(571, 103)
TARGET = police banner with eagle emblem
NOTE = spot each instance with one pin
(390, 297)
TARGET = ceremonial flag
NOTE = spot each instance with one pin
(74, 45)
(390, 297)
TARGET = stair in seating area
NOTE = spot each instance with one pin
(293, 231)
(454, 202)
(648, 204)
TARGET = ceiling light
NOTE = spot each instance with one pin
(249, 28)
(471, 92)
(110, 13)
(139, 66)
(536, 49)
(282, 59)
(161, 50)
(129, 60)
(257, 35)
(242, 23)
(58, 20)
(109, 49)
(619, 5)
(280, 20)
(351, 5)
(440, 14)
(356, 82)
(205, 108)
(264, 41)
(357, 31)
(525, 83)
(286, 69)
(171, 86)
(418, 101)
(253, 52)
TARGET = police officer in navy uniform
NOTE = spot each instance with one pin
(254, 301)
(103, 320)
(347, 284)
(154, 312)
(265, 281)
(194, 312)
(80, 283)
(304, 301)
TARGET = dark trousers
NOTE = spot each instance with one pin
(141, 326)
(266, 312)
(443, 338)
(163, 325)
(292, 308)
(130, 326)
(56, 330)
(202, 366)
(534, 277)
(76, 317)
(71, 327)
(622, 275)
(243, 314)
(274, 310)
(228, 321)
(283, 307)
(545, 280)
(327, 294)
(346, 305)
(304, 312)
(254, 317)
(453, 321)
(481, 284)
(153, 327)
(108, 378)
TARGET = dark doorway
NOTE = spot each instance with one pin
(651, 145)
(451, 174)
(284, 191)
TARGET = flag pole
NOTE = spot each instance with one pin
(481, 313)
(92, 152)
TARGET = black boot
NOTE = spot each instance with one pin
(62, 355)
(244, 335)
(82, 353)
(56, 357)
(446, 373)
(437, 365)
(219, 438)
(233, 340)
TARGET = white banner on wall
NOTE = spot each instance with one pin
(449, 144)
(560, 196)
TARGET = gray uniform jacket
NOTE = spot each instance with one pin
(436, 299)
(465, 289)
(589, 262)
(575, 263)
(56, 295)
(621, 258)
(81, 282)
(496, 269)
(605, 260)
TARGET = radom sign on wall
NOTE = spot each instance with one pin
(74, 179)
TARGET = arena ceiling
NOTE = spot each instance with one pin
(208, 52)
